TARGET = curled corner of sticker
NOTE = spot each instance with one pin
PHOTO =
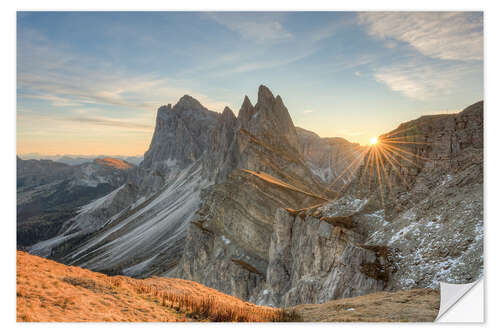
(453, 294)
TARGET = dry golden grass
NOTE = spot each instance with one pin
(415, 305)
(50, 291)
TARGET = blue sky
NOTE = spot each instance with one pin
(90, 83)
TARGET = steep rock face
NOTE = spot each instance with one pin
(268, 142)
(228, 240)
(227, 244)
(318, 254)
(223, 153)
(270, 121)
(334, 160)
(181, 136)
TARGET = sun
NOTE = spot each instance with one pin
(373, 141)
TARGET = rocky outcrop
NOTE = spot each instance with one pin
(223, 154)
(227, 243)
(268, 142)
(228, 240)
(270, 121)
(316, 256)
(181, 135)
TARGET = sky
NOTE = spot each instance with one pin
(90, 83)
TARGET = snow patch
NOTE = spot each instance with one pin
(225, 240)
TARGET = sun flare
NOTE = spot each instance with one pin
(373, 141)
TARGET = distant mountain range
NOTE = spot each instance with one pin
(49, 193)
(80, 159)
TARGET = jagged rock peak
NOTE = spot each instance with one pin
(246, 112)
(188, 103)
(246, 103)
(265, 95)
(228, 114)
(165, 108)
(271, 121)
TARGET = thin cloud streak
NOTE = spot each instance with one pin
(62, 78)
(68, 122)
(422, 81)
(112, 123)
(440, 35)
(260, 27)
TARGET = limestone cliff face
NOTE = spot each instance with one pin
(228, 240)
(222, 154)
(268, 142)
(314, 259)
(433, 199)
(270, 121)
(181, 136)
(140, 228)
(259, 171)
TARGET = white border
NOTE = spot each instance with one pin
(492, 132)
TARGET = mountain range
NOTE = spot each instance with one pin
(49, 193)
(79, 159)
(257, 208)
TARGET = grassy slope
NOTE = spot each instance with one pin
(50, 291)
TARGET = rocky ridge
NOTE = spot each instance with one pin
(140, 228)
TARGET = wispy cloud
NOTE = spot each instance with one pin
(441, 35)
(112, 123)
(77, 120)
(308, 111)
(260, 27)
(331, 29)
(51, 73)
(423, 80)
